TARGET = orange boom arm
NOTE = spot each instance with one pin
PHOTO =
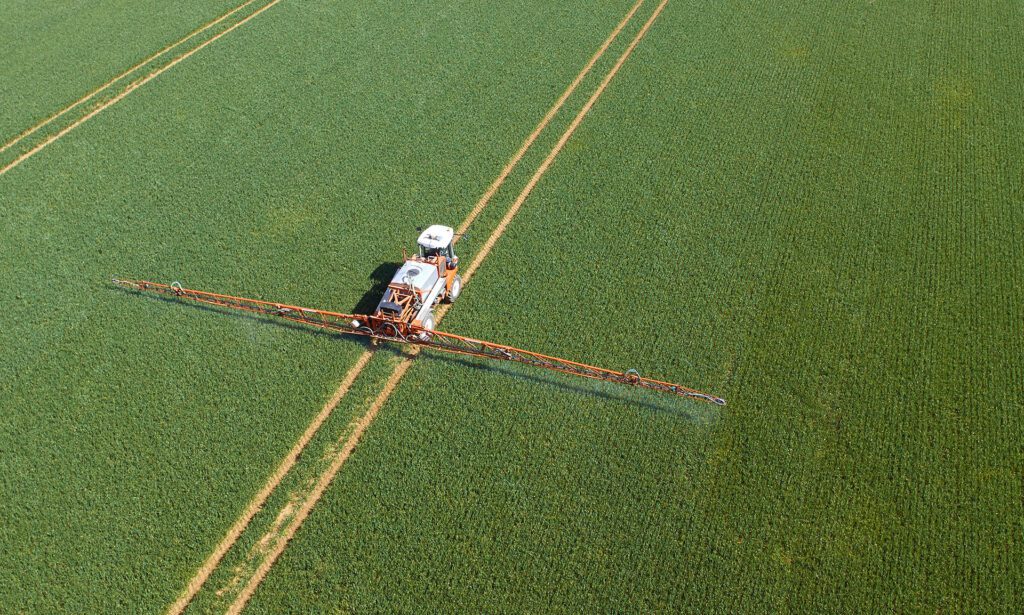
(357, 324)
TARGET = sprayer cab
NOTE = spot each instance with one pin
(437, 240)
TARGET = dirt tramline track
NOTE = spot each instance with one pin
(93, 94)
(46, 132)
(287, 463)
(280, 541)
(866, 260)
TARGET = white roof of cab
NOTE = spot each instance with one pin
(436, 236)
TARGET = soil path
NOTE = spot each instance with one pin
(131, 70)
(261, 497)
(281, 541)
(128, 90)
(211, 563)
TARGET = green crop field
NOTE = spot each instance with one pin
(53, 52)
(810, 209)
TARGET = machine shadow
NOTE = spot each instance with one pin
(548, 380)
(380, 278)
(594, 390)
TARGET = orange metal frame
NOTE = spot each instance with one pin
(405, 296)
(390, 330)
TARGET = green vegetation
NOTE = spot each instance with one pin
(52, 53)
(287, 160)
(819, 208)
(812, 211)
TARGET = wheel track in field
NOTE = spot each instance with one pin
(35, 128)
(50, 130)
(281, 540)
(358, 427)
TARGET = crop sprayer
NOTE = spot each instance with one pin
(405, 315)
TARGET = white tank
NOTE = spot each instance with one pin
(422, 276)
